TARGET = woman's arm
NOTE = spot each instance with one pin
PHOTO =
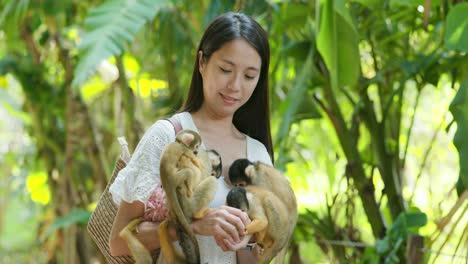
(147, 231)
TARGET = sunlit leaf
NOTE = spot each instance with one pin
(93, 88)
(131, 65)
(3, 82)
(92, 206)
(456, 34)
(37, 187)
(144, 85)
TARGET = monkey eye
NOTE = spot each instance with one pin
(241, 184)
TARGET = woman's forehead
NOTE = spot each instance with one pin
(239, 52)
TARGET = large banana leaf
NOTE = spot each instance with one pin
(110, 26)
(292, 105)
(456, 38)
(337, 42)
(456, 34)
(459, 109)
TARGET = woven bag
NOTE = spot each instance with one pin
(101, 220)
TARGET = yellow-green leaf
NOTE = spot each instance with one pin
(37, 187)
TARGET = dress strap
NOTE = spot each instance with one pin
(177, 126)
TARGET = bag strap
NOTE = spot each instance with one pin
(177, 126)
(125, 155)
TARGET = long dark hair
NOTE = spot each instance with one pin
(253, 118)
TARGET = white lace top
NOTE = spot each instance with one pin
(140, 177)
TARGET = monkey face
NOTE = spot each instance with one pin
(237, 173)
(216, 163)
(237, 197)
(189, 139)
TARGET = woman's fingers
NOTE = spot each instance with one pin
(221, 230)
(235, 217)
(226, 224)
(220, 242)
(229, 245)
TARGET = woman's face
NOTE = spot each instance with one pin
(229, 76)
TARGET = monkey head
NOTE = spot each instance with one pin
(189, 139)
(237, 197)
(237, 173)
(216, 163)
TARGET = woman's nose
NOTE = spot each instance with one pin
(236, 83)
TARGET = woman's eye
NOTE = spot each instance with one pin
(224, 70)
(248, 77)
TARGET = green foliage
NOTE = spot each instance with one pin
(13, 9)
(459, 109)
(456, 34)
(397, 234)
(292, 105)
(76, 216)
(397, 47)
(337, 42)
(110, 26)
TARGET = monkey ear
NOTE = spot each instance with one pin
(187, 138)
(250, 171)
(215, 159)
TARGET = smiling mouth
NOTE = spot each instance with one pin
(229, 99)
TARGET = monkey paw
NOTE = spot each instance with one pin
(200, 214)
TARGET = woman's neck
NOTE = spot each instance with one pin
(207, 122)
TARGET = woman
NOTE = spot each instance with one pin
(227, 105)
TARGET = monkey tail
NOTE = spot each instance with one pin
(281, 256)
(185, 235)
(189, 246)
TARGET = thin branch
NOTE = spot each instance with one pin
(439, 253)
(365, 188)
(26, 35)
(425, 158)
(446, 219)
(452, 229)
(408, 133)
(463, 234)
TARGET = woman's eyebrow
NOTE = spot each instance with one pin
(233, 64)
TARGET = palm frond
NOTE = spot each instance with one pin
(13, 9)
(291, 105)
(111, 26)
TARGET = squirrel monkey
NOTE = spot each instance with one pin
(186, 178)
(269, 217)
(244, 173)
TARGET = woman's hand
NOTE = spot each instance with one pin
(228, 245)
(227, 225)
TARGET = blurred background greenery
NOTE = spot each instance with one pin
(369, 106)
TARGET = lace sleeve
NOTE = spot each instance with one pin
(140, 177)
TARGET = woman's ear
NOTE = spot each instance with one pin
(201, 64)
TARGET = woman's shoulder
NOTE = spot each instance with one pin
(257, 151)
(165, 127)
